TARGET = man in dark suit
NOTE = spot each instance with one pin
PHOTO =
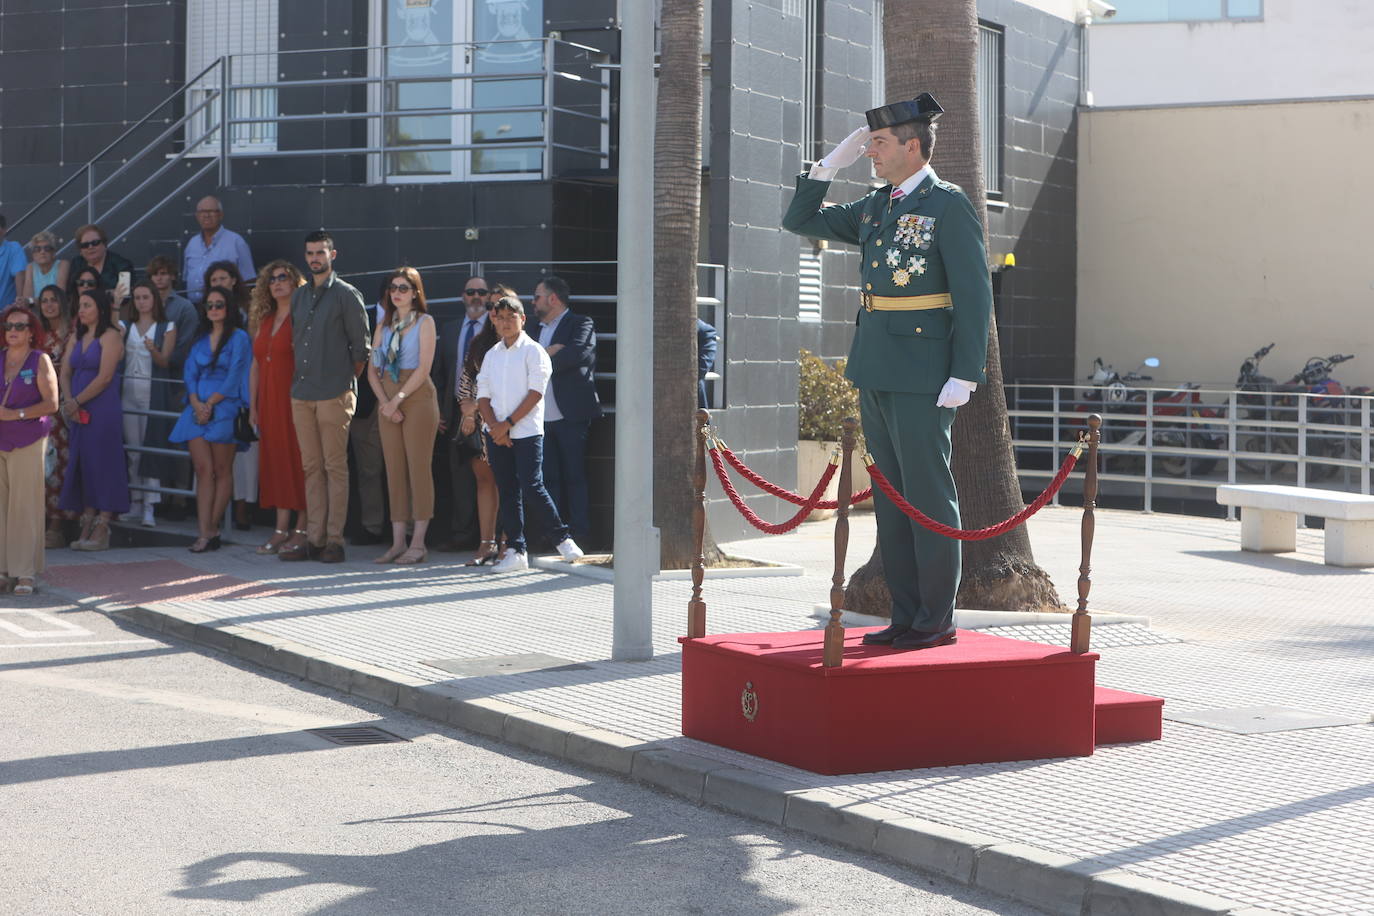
(570, 402)
(455, 486)
(708, 341)
(365, 440)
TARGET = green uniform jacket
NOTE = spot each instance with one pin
(932, 239)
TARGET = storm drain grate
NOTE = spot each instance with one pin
(353, 735)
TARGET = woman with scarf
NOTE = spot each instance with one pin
(408, 410)
(28, 399)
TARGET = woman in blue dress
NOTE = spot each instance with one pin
(216, 372)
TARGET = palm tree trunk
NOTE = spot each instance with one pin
(677, 217)
(932, 46)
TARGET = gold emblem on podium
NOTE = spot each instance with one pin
(749, 701)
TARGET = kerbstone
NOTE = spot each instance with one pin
(1037, 877)
(752, 794)
(374, 684)
(1119, 893)
(539, 731)
(836, 817)
(673, 771)
(604, 750)
(482, 715)
(328, 670)
(933, 847)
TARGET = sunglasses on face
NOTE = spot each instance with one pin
(42, 248)
(211, 306)
(281, 278)
(93, 243)
(85, 281)
(16, 326)
(474, 292)
(401, 287)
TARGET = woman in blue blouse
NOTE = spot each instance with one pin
(216, 374)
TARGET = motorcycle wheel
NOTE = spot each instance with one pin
(1172, 465)
(1253, 443)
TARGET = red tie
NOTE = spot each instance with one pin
(897, 194)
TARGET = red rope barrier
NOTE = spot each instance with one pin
(770, 487)
(880, 480)
(753, 519)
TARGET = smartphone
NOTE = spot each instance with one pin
(125, 280)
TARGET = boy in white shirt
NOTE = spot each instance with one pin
(510, 386)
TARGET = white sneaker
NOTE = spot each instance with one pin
(134, 514)
(512, 559)
(148, 520)
(569, 551)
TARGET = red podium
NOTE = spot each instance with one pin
(982, 700)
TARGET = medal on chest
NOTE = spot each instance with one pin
(914, 231)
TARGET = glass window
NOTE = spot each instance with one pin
(508, 35)
(1184, 10)
(419, 68)
(990, 105)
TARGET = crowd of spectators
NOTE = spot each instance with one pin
(266, 390)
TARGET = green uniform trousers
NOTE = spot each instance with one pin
(908, 437)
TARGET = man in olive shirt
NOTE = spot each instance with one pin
(329, 334)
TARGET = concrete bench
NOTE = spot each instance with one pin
(1269, 520)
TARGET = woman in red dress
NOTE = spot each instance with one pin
(281, 480)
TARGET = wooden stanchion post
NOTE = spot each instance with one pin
(696, 608)
(834, 630)
(1081, 637)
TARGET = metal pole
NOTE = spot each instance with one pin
(636, 538)
(548, 107)
(225, 114)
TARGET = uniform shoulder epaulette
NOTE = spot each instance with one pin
(948, 186)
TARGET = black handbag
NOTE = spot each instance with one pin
(469, 446)
(243, 427)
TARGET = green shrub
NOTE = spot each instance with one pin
(824, 398)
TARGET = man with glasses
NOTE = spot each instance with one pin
(456, 488)
(214, 243)
(329, 334)
(12, 263)
(93, 246)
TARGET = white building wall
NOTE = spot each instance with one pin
(1303, 49)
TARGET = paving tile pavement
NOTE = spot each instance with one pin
(1283, 821)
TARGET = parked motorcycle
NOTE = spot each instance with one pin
(1272, 402)
(1117, 396)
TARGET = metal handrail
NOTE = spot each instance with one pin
(90, 163)
(1343, 461)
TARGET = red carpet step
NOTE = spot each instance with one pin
(1122, 716)
(982, 700)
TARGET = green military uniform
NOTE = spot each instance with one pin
(929, 242)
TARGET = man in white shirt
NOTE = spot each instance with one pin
(510, 395)
(213, 243)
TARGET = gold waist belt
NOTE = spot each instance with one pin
(905, 303)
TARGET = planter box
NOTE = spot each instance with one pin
(812, 457)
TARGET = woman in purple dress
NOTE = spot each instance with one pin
(97, 482)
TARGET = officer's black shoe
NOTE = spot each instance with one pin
(925, 639)
(885, 636)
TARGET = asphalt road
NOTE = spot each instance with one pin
(141, 776)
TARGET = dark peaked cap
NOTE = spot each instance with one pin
(922, 108)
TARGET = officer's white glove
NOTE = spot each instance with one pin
(850, 151)
(955, 393)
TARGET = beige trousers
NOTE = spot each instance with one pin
(408, 447)
(21, 510)
(322, 432)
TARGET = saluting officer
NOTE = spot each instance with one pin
(919, 349)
